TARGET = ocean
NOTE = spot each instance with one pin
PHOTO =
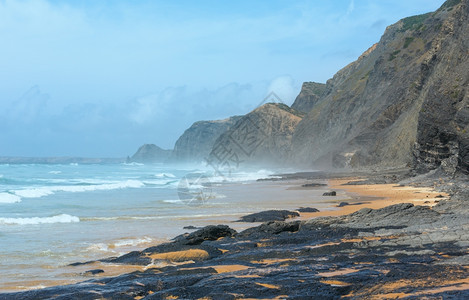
(52, 215)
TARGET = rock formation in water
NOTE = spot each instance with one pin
(150, 153)
(196, 142)
(263, 136)
(311, 93)
(403, 102)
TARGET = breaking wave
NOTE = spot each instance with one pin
(9, 198)
(63, 218)
(49, 190)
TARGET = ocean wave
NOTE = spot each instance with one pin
(132, 241)
(55, 172)
(171, 201)
(165, 175)
(133, 164)
(162, 183)
(48, 190)
(63, 218)
(121, 218)
(244, 176)
(9, 198)
(120, 243)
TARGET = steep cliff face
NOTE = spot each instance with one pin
(311, 93)
(196, 142)
(403, 102)
(150, 153)
(263, 137)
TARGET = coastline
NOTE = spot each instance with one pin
(359, 196)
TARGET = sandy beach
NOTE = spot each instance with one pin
(282, 195)
(375, 196)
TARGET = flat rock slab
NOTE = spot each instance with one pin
(269, 215)
(308, 209)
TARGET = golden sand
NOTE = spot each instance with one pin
(247, 276)
(180, 256)
(376, 196)
(323, 245)
(222, 268)
(338, 272)
(388, 289)
(269, 286)
(229, 268)
(270, 261)
(335, 282)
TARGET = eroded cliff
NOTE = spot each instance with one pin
(196, 142)
(403, 102)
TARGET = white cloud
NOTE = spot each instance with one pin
(284, 87)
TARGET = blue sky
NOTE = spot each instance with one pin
(100, 78)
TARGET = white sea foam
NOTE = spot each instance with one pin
(98, 247)
(112, 246)
(63, 218)
(172, 201)
(243, 176)
(165, 175)
(55, 172)
(9, 198)
(162, 183)
(132, 241)
(133, 164)
(48, 190)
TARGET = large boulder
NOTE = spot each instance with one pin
(269, 215)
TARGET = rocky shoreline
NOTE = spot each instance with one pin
(400, 251)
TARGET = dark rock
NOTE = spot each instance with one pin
(342, 204)
(308, 209)
(440, 196)
(313, 184)
(131, 258)
(269, 215)
(208, 233)
(190, 227)
(402, 214)
(268, 228)
(93, 272)
(333, 193)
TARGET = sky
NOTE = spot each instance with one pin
(100, 78)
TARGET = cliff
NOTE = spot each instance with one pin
(310, 94)
(196, 142)
(403, 102)
(150, 153)
(263, 136)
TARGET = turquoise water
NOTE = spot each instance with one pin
(53, 215)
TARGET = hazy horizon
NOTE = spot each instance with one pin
(100, 79)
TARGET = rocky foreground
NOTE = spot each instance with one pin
(401, 251)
